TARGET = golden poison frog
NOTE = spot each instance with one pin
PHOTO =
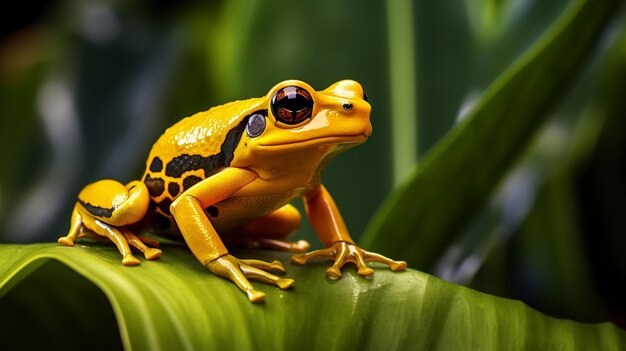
(225, 177)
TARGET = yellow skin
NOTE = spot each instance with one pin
(226, 176)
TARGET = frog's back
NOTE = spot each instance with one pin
(192, 150)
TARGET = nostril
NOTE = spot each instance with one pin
(347, 106)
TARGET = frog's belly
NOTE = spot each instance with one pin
(231, 214)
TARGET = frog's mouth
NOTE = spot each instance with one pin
(308, 143)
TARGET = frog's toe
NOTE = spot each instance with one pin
(65, 241)
(304, 258)
(333, 272)
(262, 276)
(151, 253)
(285, 283)
(255, 295)
(278, 266)
(365, 271)
(266, 266)
(281, 245)
(300, 246)
(130, 260)
(298, 259)
(397, 266)
(394, 265)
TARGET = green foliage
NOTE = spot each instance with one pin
(491, 137)
(173, 304)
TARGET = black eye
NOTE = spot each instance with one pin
(292, 105)
(347, 106)
(256, 125)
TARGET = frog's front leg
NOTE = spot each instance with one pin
(331, 229)
(205, 243)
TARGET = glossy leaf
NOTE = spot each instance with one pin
(174, 303)
(458, 174)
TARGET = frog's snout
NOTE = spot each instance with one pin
(352, 103)
(347, 88)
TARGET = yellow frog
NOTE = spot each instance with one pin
(226, 176)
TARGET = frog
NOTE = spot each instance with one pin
(227, 177)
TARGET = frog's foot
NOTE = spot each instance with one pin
(114, 234)
(239, 271)
(342, 253)
(134, 241)
(65, 241)
(126, 260)
(281, 245)
(130, 260)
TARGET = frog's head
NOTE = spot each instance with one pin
(300, 118)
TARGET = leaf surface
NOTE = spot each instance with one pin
(175, 303)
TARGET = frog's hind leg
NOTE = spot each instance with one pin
(271, 231)
(149, 241)
(114, 235)
(89, 234)
(137, 242)
(76, 225)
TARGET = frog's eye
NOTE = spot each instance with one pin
(256, 125)
(292, 105)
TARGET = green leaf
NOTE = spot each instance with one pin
(420, 217)
(174, 303)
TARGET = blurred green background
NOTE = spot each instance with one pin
(87, 86)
